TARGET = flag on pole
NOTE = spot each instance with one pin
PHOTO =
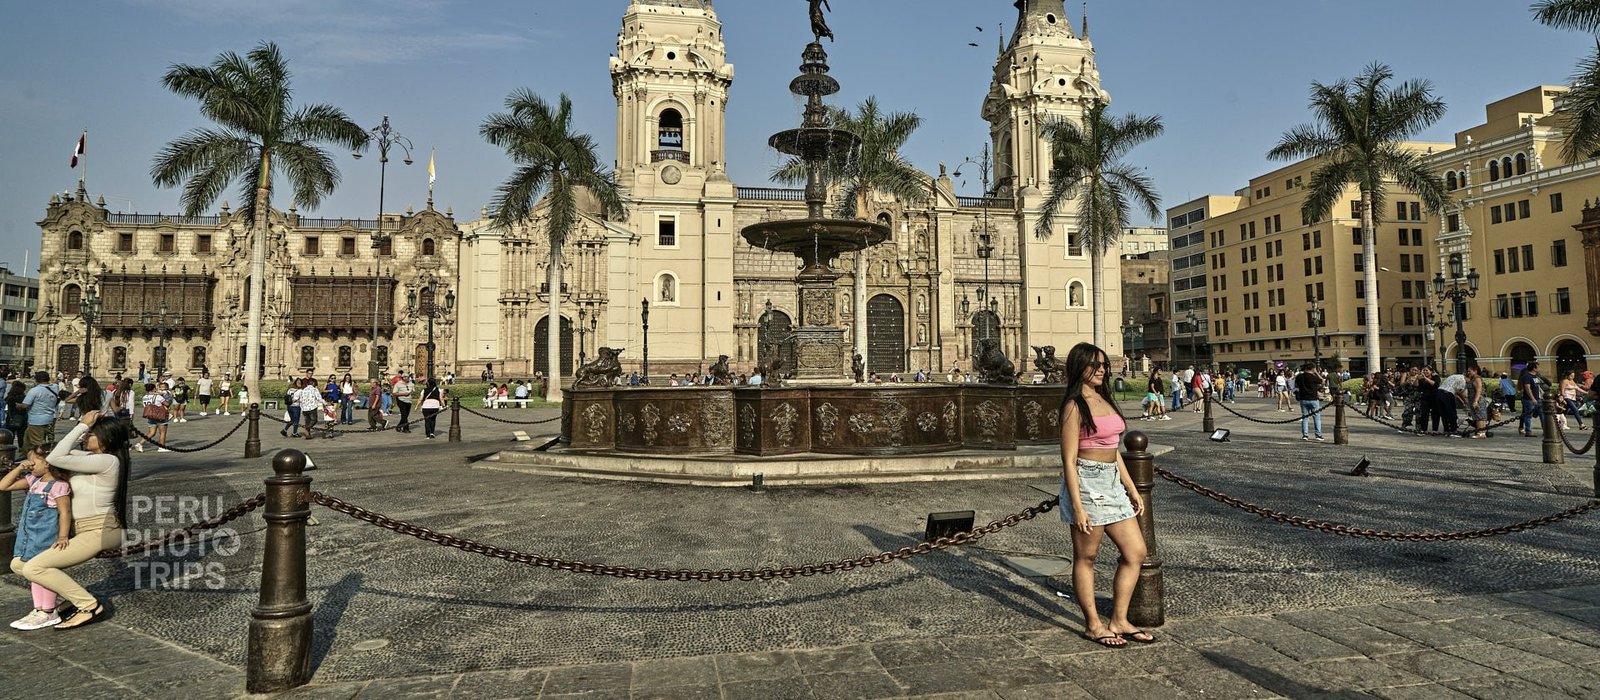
(430, 167)
(77, 152)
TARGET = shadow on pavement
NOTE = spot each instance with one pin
(1276, 682)
(325, 621)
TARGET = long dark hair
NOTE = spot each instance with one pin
(90, 398)
(1078, 360)
(114, 437)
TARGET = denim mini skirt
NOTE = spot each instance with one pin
(1100, 491)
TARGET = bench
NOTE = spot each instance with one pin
(502, 403)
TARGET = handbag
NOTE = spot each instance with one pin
(432, 402)
(156, 412)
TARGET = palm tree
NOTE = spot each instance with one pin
(875, 164)
(1361, 125)
(258, 128)
(1579, 109)
(555, 162)
(1086, 168)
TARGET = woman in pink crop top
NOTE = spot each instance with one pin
(1097, 496)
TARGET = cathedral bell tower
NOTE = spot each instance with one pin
(1047, 72)
(670, 77)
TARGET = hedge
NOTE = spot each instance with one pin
(471, 394)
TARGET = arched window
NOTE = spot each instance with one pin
(669, 137)
(308, 357)
(1450, 180)
(888, 222)
(197, 357)
(75, 240)
(1461, 177)
(1077, 295)
(72, 300)
(381, 356)
(345, 356)
(158, 358)
(667, 288)
(1505, 166)
(1522, 164)
(1494, 170)
(119, 357)
(428, 246)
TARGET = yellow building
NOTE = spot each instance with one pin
(1519, 215)
(1186, 334)
(1269, 270)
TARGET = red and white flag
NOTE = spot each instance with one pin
(78, 152)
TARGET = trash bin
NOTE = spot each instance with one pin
(1119, 385)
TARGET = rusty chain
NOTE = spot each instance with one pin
(1320, 409)
(206, 446)
(238, 511)
(1576, 450)
(703, 575)
(1368, 533)
(512, 422)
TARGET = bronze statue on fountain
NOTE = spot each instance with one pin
(992, 365)
(1053, 369)
(720, 374)
(602, 372)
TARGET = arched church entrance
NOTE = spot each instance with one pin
(886, 335)
(541, 335)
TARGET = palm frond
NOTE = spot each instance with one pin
(310, 171)
(1409, 170)
(1582, 15)
(1579, 110)
(1326, 187)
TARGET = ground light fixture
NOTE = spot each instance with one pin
(1361, 467)
(948, 524)
(1220, 435)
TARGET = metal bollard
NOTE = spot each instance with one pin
(252, 439)
(1341, 429)
(455, 420)
(1149, 607)
(280, 626)
(1554, 452)
(1206, 423)
(8, 459)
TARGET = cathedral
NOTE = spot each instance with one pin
(956, 269)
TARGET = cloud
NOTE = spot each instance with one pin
(329, 37)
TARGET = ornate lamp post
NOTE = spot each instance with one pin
(1457, 296)
(1194, 326)
(162, 322)
(386, 138)
(431, 310)
(89, 308)
(583, 315)
(1132, 335)
(644, 322)
(1314, 318)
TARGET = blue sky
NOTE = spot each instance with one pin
(1227, 76)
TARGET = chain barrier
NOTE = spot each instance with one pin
(317, 428)
(230, 515)
(1419, 431)
(1368, 533)
(506, 420)
(206, 446)
(702, 575)
(1562, 431)
(1295, 419)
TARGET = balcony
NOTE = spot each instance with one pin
(772, 194)
(133, 322)
(152, 219)
(669, 154)
(983, 202)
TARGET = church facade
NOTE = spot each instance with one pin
(930, 292)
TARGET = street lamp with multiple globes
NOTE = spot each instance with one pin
(1457, 296)
(89, 308)
(1194, 328)
(432, 310)
(644, 322)
(1315, 316)
(592, 327)
(161, 322)
(386, 138)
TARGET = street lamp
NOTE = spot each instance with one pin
(1457, 296)
(1315, 318)
(644, 324)
(1194, 326)
(162, 322)
(583, 315)
(432, 310)
(386, 138)
(89, 308)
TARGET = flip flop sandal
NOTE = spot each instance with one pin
(1134, 637)
(1104, 641)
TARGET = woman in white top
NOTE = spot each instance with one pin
(225, 393)
(99, 509)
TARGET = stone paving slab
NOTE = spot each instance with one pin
(1254, 609)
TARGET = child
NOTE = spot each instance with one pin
(40, 526)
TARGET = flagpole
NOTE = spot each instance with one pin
(83, 177)
(430, 177)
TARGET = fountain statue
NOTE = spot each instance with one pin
(821, 353)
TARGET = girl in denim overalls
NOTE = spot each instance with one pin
(40, 526)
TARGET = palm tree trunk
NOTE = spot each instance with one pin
(552, 336)
(1097, 298)
(1369, 263)
(258, 274)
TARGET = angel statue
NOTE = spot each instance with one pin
(819, 22)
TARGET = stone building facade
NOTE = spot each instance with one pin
(19, 302)
(173, 291)
(929, 294)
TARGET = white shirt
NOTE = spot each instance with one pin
(203, 386)
(94, 488)
(309, 398)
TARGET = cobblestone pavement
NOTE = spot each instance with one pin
(1254, 609)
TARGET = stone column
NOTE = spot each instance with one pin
(859, 332)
